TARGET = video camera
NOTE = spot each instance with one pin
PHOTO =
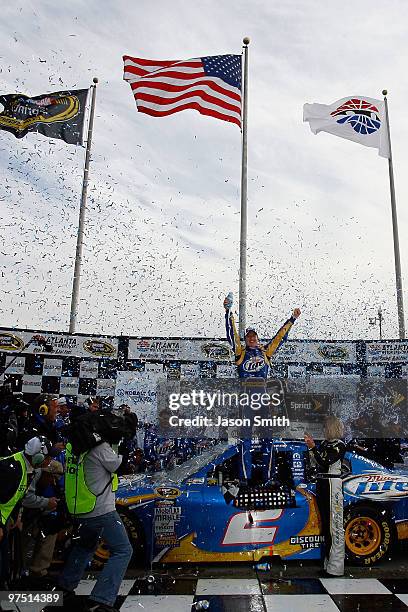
(11, 406)
(11, 400)
(90, 429)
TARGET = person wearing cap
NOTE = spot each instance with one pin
(16, 473)
(42, 422)
(253, 361)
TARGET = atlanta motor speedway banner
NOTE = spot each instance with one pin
(182, 349)
(58, 344)
(219, 350)
(388, 351)
(82, 365)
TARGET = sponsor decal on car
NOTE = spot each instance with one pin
(307, 541)
(168, 492)
(194, 481)
(166, 516)
(376, 486)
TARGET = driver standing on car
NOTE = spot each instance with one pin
(253, 361)
(329, 492)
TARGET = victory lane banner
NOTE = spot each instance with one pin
(55, 115)
(58, 344)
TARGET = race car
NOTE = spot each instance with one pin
(199, 512)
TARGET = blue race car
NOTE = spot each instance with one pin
(198, 512)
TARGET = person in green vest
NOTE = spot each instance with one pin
(90, 485)
(16, 472)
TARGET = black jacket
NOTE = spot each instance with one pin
(37, 425)
(328, 454)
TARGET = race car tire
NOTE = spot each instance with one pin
(136, 537)
(369, 534)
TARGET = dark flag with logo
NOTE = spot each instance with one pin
(56, 115)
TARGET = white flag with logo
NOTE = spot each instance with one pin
(355, 118)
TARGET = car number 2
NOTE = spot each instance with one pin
(259, 530)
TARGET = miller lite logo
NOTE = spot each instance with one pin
(376, 486)
(255, 364)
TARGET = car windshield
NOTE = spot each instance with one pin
(193, 465)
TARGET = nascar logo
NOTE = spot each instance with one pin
(376, 486)
(169, 492)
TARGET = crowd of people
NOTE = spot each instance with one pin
(46, 489)
(53, 495)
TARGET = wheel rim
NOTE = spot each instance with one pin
(363, 535)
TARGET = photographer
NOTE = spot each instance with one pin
(90, 485)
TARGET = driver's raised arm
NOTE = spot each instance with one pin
(272, 346)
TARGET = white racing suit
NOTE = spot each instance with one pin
(329, 492)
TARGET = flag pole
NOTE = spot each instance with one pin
(397, 258)
(244, 192)
(80, 236)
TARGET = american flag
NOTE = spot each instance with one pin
(211, 85)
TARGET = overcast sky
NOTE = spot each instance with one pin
(162, 231)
